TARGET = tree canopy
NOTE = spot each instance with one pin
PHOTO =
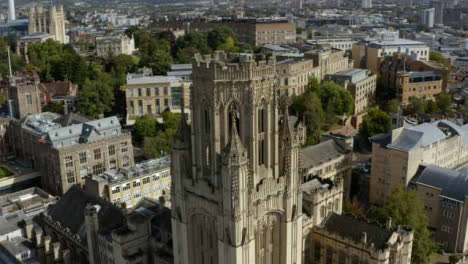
(54, 61)
(441, 105)
(54, 108)
(156, 138)
(374, 122)
(17, 63)
(96, 96)
(406, 208)
(319, 105)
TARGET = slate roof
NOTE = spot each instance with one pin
(352, 228)
(318, 154)
(71, 119)
(453, 184)
(425, 134)
(70, 212)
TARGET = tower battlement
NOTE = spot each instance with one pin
(233, 66)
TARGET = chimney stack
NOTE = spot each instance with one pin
(11, 10)
(388, 225)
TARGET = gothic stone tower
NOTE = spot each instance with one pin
(235, 191)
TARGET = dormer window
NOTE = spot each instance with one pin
(56, 134)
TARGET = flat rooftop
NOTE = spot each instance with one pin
(140, 169)
(152, 79)
(354, 75)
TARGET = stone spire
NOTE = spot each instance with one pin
(182, 137)
(286, 131)
(235, 153)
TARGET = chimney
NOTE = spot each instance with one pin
(29, 229)
(56, 247)
(11, 10)
(364, 237)
(39, 237)
(47, 242)
(66, 256)
(388, 225)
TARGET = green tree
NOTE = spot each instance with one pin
(96, 97)
(145, 126)
(122, 64)
(454, 259)
(406, 208)
(17, 63)
(160, 145)
(54, 108)
(416, 106)
(438, 57)
(158, 57)
(219, 36)
(392, 106)
(374, 122)
(431, 107)
(444, 103)
(309, 108)
(170, 120)
(3, 98)
(335, 99)
(55, 61)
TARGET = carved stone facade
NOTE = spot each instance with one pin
(236, 194)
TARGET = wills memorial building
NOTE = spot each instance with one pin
(236, 194)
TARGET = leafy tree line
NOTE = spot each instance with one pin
(441, 105)
(406, 208)
(99, 80)
(155, 137)
(160, 50)
(320, 105)
(374, 122)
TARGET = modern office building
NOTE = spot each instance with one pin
(11, 10)
(428, 17)
(396, 156)
(439, 9)
(366, 4)
(424, 85)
